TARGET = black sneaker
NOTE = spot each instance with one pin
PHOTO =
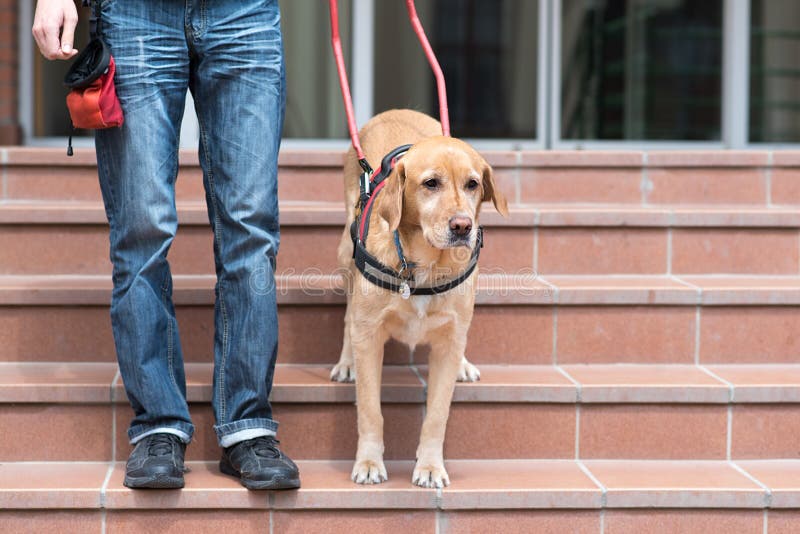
(156, 462)
(259, 464)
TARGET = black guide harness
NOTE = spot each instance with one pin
(381, 275)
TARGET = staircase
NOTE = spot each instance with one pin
(647, 379)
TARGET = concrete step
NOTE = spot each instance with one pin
(48, 174)
(43, 237)
(759, 178)
(648, 381)
(549, 496)
(676, 412)
(518, 320)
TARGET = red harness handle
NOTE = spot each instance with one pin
(444, 116)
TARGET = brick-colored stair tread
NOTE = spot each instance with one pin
(76, 382)
(532, 289)
(38, 156)
(51, 484)
(326, 213)
(633, 178)
(782, 479)
(23, 382)
(503, 158)
(475, 484)
(315, 288)
(189, 213)
(677, 484)
(767, 383)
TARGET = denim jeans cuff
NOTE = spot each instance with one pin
(182, 430)
(232, 433)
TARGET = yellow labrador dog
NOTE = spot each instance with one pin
(432, 199)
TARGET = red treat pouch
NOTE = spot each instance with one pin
(92, 100)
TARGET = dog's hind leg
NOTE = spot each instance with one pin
(345, 370)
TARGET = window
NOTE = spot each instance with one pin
(534, 73)
(641, 70)
(487, 51)
(313, 99)
(775, 71)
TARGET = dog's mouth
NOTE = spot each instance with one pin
(451, 241)
(456, 241)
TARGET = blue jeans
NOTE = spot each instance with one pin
(230, 55)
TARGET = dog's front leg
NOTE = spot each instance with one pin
(367, 345)
(443, 364)
(468, 372)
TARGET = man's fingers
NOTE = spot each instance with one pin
(48, 40)
(41, 39)
(68, 34)
(52, 43)
(62, 55)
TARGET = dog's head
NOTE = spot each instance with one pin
(439, 185)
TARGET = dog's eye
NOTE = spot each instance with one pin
(431, 183)
(472, 184)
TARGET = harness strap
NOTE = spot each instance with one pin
(405, 266)
(371, 185)
(384, 276)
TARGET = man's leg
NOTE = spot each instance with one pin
(238, 83)
(137, 165)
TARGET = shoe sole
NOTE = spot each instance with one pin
(154, 482)
(275, 483)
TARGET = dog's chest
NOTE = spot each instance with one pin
(413, 321)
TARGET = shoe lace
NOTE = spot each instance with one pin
(265, 446)
(160, 444)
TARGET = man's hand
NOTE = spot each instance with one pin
(54, 28)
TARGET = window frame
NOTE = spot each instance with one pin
(25, 46)
(735, 89)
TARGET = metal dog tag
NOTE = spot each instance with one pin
(405, 291)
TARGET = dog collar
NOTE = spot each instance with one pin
(369, 266)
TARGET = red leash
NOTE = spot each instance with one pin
(444, 116)
(348, 100)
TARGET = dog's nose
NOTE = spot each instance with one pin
(460, 225)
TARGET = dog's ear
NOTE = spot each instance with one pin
(490, 192)
(390, 202)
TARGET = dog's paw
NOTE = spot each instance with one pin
(369, 472)
(468, 372)
(430, 475)
(343, 372)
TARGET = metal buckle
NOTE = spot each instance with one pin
(366, 179)
(405, 270)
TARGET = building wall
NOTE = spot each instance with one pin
(9, 100)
